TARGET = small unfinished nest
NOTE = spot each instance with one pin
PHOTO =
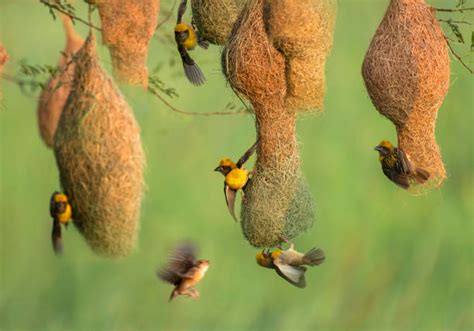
(406, 72)
(127, 28)
(54, 96)
(277, 201)
(303, 31)
(214, 18)
(100, 158)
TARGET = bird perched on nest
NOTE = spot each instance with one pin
(289, 264)
(61, 212)
(187, 38)
(397, 166)
(184, 271)
(236, 177)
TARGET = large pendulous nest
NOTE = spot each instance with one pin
(406, 71)
(100, 158)
(277, 201)
(127, 28)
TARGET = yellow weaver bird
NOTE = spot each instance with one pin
(289, 263)
(184, 271)
(61, 212)
(236, 177)
(187, 38)
(397, 166)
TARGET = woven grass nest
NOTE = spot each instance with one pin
(127, 28)
(277, 201)
(100, 158)
(406, 71)
(214, 18)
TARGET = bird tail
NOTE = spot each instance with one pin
(173, 295)
(315, 256)
(421, 175)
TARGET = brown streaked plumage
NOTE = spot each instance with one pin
(184, 271)
(289, 264)
(398, 167)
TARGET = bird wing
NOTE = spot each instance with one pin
(230, 200)
(191, 69)
(181, 10)
(179, 263)
(56, 237)
(404, 164)
(292, 274)
(52, 205)
(247, 155)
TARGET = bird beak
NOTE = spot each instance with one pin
(219, 168)
(378, 148)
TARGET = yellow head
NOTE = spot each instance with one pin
(264, 259)
(384, 148)
(225, 166)
(60, 197)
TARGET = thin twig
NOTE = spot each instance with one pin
(458, 57)
(56, 7)
(167, 17)
(452, 10)
(452, 21)
(172, 108)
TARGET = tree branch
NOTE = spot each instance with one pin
(452, 10)
(458, 57)
(73, 17)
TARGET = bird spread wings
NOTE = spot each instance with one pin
(191, 69)
(56, 237)
(181, 261)
(293, 274)
(247, 155)
(181, 10)
(230, 200)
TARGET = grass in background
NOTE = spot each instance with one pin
(394, 262)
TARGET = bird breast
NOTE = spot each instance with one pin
(236, 179)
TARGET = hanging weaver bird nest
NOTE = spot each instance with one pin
(54, 96)
(214, 18)
(406, 72)
(277, 201)
(127, 28)
(100, 158)
(303, 31)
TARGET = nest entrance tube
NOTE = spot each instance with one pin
(277, 201)
(100, 158)
(127, 28)
(406, 71)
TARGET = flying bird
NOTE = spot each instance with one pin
(187, 38)
(289, 264)
(184, 271)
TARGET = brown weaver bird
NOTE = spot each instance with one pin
(397, 166)
(236, 177)
(289, 264)
(61, 212)
(187, 38)
(184, 271)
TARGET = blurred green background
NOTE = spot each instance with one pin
(394, 261)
